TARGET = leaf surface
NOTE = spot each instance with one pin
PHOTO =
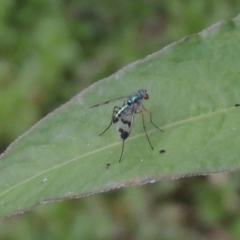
(193, 86)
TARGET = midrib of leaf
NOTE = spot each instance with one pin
(178, 123)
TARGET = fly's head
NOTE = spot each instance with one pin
(144, 94)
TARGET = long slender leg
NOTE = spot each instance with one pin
(122, 151)
(114, 111)
(150, 114)
(144, 127)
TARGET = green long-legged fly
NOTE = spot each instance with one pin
(124, 116)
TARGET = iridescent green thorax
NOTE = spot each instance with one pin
(134, 98)
(137, 97)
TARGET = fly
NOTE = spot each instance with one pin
(124, 115)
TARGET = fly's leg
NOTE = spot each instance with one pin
(114, 111)
(150, 115)
(122, 151)
(144, 127)
(124, 136)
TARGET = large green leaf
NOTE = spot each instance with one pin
(193, 86)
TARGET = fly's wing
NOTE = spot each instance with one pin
(103, 103)
(124, 125)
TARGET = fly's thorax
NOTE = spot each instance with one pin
(133, 99)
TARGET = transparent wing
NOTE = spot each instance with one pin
(124, 125)
(103, 103)
(114, 99)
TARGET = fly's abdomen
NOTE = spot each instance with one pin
(120, 113)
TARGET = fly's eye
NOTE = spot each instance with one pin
(145, 96)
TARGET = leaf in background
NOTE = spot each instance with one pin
(193, 86)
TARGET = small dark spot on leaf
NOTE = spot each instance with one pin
(237, 104)
(162, 151)
(107, 165)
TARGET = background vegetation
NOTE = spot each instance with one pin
(51, 50)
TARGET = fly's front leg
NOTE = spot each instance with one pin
(150, 115)
(113, 120)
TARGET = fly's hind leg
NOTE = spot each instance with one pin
(144, 127)
(150, 115)
(115, 109)
(122, 151)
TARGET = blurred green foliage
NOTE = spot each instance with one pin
(49, 51)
